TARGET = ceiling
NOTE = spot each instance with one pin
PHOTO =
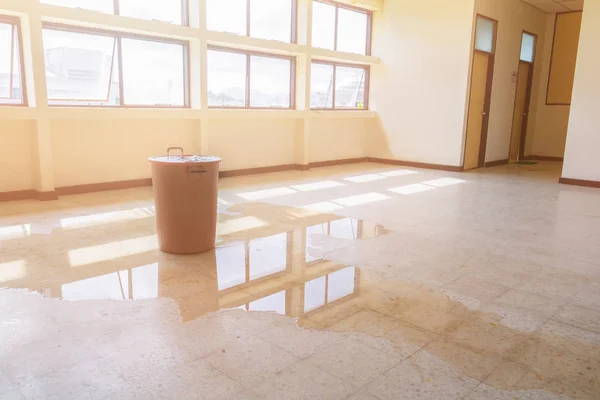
(552, 6)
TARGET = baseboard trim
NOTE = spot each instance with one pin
(46, 196)
(542, 158)
(580, 182)
(135, 183)
(259, 170)
(102, 187)
(440, 167)
(496, 163)
(18, 195)
(333, 163)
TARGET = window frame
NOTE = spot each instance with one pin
(185, 7)
(369, 13)
(16, 26)
(248, 54)
(118, 36)
(367, 69)
(293, 26)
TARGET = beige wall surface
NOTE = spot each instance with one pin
(419, 89)
(94, 151)
(337, 139)
(16, 154)
(252, 143)
(547, 137)
(583, 138)
(513, 17)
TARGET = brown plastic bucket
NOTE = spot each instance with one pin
(185, 198)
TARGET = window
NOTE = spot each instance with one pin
(249, 80)
(485, 32)
(97, 68)
(528, 47)
(264, 19)
(335, 86)
(11, 68)
(172, 11)
(342, 28)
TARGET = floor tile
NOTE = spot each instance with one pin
(353, 361)
(304, 380)
(579, 317)
(300, 342)
(421, 376)
(251, 360)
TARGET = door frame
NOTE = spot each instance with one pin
(525, 123)
(488, 92)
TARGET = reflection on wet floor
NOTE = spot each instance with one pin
(275, 259)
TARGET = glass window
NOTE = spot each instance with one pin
(314, 293)
(153, 73)
(271, 19)
(159, 10)
(265, 19)
(82, 69)
(11, 79)
(528, 47)
(353, 28)
(484, 34)
(272, 303)
(321, 86)
(340, 284)
(344, 84)
(226, 16)
(226, 79)
(270, 82)
(350, 87)
(105, 6)
(323, 34)
(79, 68)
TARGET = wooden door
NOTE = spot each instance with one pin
(477, 120)
(521, 111)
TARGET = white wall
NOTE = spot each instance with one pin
(548, 134)
(513, 17)
(16, 154)
(420, 88)
(583, 138)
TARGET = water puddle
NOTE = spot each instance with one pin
(277, 260)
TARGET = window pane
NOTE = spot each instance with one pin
(153, 73)
(160, 10)
(314, 294)
(340, 284)
(269, 82)
(352, 31)
(226, 79)
(105, 6)
(484, 35)
(231, 266)
(350, 87)
(11, 91)
(268, 255)
(78, 67)
(528, 47)
(321, 86)
(226, 16)
(323, 34)
(272, 303)
(271, 19)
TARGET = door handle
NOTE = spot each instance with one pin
(524, 114)
(484, 113)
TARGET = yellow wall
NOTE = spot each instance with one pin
(547, 136)
(337, 139)
(564, 57)
(513, 17)
(16, 154)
